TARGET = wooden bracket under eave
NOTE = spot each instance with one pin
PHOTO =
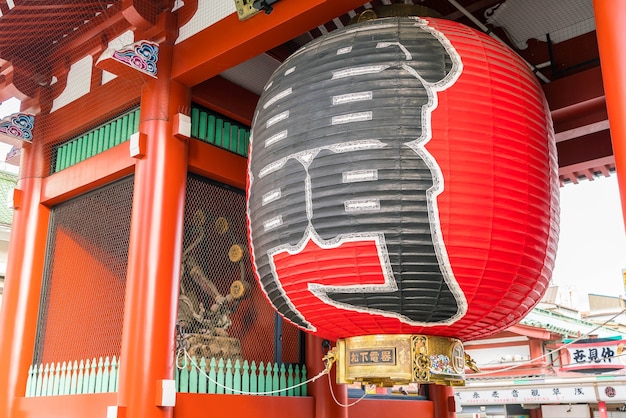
(17, 129)
(138, 59)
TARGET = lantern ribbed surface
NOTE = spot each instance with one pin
(402, 179)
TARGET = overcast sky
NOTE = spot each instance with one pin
(592, 243)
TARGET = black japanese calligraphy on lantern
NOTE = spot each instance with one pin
(340, 157)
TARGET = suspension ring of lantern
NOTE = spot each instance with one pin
(403, 187)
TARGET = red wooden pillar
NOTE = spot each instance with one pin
(610, 22)
(602, 409)
(22, 287)
(325, 405)
(147, 355)
(443, 400)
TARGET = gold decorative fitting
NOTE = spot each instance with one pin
(245, 10)
(393, 359)
(394, 10)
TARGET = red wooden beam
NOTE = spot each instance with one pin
(226, 98)
(230, 42)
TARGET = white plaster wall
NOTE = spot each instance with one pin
(208, 13)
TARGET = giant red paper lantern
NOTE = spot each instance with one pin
(403, 180)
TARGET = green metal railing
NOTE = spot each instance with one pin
(96, 141)
(214, 129)
(73, 378)
(206, 126)
(219, 376)
(208, 377)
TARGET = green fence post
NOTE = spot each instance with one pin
(303, 389)
(237, 377)
(39, 383)
(193, 376)
(114, 374)
(261, 379)
(92, 377)
(184, 377)
(290, 382)
(74, 377)
(228, 378)
(202, 383)
(98, 383)
(29, 381)
(253, 378)
(44, 385)
(80, 380)
(275, 383)
(212, 376)
(51, 380)
(106, 375)
(269, 379)
(57, 380)
(282, 381)
(220, 376)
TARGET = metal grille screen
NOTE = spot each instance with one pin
(82, 303)
(221, 312)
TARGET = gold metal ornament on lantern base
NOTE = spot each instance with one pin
(394, 359)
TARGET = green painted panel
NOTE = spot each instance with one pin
(195, 115)
(60, 162)
(85, 147)
(275, 380)
(212, 376)
(211, 129)
(220, 376)
(136, 121)
(261, 379)
(94, 142)
(202, 383)
(72, 153)
(107, 137)
(202, 129)
(234, 138)
(254, 387)
(184, 378)
(226, 135)
(219, 131)
(118, 132)
(228, 378)
(79, 149)
(125, 129)
(74, 380)
(100, 139)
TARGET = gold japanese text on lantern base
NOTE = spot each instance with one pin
(388, 360)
